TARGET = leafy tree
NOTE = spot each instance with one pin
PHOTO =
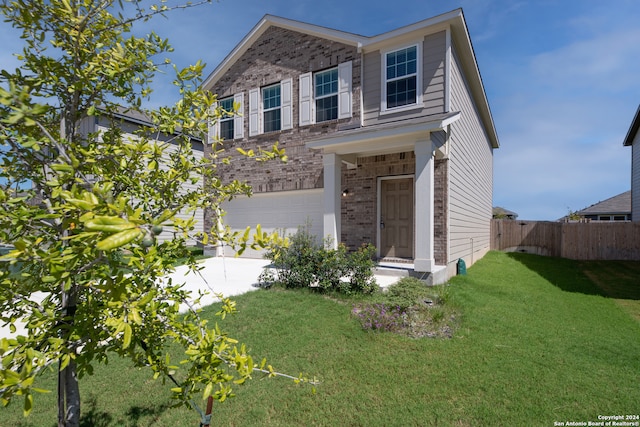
(81, 209)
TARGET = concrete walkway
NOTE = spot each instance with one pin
(220, 275)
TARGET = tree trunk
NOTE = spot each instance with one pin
(68, 387)
(68, 397)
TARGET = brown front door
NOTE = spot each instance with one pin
(396, 218)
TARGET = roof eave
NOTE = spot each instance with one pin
(633, 129)
(369, 140)
(460, 33)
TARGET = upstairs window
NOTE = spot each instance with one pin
(401, 77)
(271, 108)
(227, 120)
(230, 125)
(326, 95)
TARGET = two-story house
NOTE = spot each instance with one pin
(632, 139)
(390, 138)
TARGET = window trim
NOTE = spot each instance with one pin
(230, 118)
(307, 100)
(267, 110)
(335, 94)
(238, 119)
(256, 107)
(383, 83)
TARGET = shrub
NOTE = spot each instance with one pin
(304, 262)
(296, 262)
(360, 265)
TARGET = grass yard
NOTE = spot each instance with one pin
(541, 340)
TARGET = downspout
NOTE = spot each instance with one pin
(361, 84)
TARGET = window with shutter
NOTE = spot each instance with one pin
(227, 119)
(271, 103)
(325, 95)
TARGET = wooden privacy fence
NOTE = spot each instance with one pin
(573, 240)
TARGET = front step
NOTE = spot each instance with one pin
(402, 268)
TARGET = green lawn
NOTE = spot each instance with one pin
(540, 340)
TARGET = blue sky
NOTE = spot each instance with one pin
(562, 78)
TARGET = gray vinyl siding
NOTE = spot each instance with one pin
(433, 72)
(471, 175)
(635, 179)
(371, 87)
(433, 83)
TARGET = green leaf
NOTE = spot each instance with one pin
(62, 167)
(28, 404)
(64, 361)
(119, 239)
(126, 339)
(207, 391)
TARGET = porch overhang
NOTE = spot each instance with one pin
(392, 137)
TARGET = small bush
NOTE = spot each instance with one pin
(296, 263)
(305, 262)
(360, 265)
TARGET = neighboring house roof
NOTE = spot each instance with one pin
(453, 20)
(620, 204)
(129, 115)
(138, 118)
(633, 129)
(504, 213)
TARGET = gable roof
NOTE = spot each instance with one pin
(453, 20)
(268, 21)
(620, 204)
(633, 130)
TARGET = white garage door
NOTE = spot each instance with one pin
(282, 211)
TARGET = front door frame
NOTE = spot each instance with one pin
(379, 210)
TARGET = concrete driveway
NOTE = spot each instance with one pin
(234, 276)
(221, 275)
